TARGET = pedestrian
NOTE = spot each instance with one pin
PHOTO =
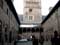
(15, 42)
(46, 38)
(55, 39)
(41, 40)
(34, 40)
(59, 40)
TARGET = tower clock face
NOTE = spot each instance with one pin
(30, 10)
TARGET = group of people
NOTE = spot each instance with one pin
(55, 40)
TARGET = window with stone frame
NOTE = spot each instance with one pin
(1, 3)
(31, 18)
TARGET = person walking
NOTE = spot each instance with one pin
(41, 40)
(55, 39)
(14, 42)
(59, 39)
(34, 40)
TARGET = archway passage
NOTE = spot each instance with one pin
(0, 31)
(25, 30)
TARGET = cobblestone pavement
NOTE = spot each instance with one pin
(47, 43)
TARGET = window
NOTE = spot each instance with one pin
(30, 17)
(26, 16)
(21, 17)
(1, 3)
(7, 11)
(26, 13)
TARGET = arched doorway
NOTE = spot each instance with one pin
(0, 31)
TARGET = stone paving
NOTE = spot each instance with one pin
(47, 43)
(30, 43)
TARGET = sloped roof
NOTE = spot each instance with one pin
(51, 12)
(11, 6)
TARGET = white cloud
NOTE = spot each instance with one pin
(19, 5)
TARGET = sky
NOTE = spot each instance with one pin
(45, 4)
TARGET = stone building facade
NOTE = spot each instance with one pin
(9, 23)
(32, 12)
(52, 22)
(32, 16)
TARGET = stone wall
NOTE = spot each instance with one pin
(9, 24)
(52, 24)
(35, 7)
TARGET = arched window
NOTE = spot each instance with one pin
(1, 3)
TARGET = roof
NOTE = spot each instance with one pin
(51, 12)
(11, 6)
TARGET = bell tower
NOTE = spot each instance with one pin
(32, 11)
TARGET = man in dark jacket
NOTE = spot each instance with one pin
(41, 40)
(34, 40)
(55, 39)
